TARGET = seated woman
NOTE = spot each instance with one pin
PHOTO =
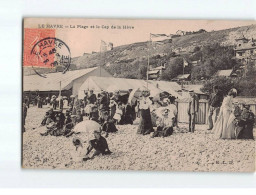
(79, 116)
(107, 123)
(94, 115)
(246, 123)
(45, 118)
(164, 125)
(68, 125)
(55, 128)
(97, 146)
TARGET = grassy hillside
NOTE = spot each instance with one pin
(131, 60)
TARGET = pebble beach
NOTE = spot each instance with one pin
(182, 151)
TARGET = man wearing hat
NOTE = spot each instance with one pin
(98, 145)
(215, 103)
(91, 97)
(193, 108)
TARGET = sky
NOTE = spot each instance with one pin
(84, 39)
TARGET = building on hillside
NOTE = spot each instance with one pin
(245, 50)
(182, 77)
(68, 83)
(155, 73)
(180, 33)
(226, 73)
(187, 62)
(195, 62)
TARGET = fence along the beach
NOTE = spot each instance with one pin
(202, 115)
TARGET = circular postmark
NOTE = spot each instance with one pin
(52, 53)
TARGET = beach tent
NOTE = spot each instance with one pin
(112, 84)
(71, 80)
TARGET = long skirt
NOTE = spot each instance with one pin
(145, 126)
(224, 128)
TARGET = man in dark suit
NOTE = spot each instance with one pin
(214, 105)
(193, 110)
(91, 98)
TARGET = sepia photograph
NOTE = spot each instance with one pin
(139, 94)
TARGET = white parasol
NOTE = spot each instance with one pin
(86, 129)
(134, 95)
(159, 111)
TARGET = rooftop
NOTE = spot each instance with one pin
(225, 73)
(52, 80)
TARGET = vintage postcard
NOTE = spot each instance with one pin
(152, 95)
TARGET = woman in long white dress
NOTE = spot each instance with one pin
(223, 128)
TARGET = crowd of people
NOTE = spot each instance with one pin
(111, 109)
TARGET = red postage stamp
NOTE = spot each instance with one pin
(42, 49)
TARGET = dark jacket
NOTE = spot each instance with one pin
(216, 99)
(100, 145)
(91, 98)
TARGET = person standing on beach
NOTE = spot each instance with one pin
(215, 104)
(24, 115)
(193, 110)
(145, 126)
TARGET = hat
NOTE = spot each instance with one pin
(247, 106)
(67, 112)
(96, 131)
(72, 116)
(76, 141)
(166, 100)
(233, 92)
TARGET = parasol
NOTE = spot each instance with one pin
(159, 111)
(86, 128)
(134, 95)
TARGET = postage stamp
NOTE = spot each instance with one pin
(42, 49)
